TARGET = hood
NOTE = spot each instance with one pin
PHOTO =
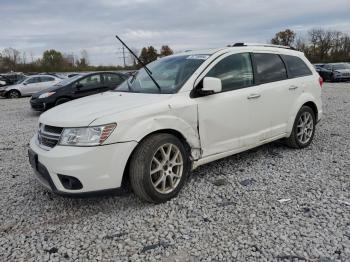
(82, 112)
(50, 89)
(12, 86)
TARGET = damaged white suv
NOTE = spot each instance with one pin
(199, 107)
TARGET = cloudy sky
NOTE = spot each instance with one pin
(72, 25)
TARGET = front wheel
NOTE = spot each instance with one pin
(158, 168)
(303, 129)
(13, 94)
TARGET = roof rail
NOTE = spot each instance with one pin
(266, 45)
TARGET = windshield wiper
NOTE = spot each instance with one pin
(141, 63)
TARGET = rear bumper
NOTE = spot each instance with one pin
(98, 168)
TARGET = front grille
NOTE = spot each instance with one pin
(48, 136)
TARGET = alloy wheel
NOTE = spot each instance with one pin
(166, 168)
(305, 127)
(13, 94)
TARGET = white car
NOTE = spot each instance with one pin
(29, 85)
(210, 104)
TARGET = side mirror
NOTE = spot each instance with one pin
(25, 83)
(78, 86)
(212, 85)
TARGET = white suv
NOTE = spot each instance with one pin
(209, 104)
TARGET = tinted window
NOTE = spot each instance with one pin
(328, 67)
(269, 67)
(112, 79)
(90, 81)
(33, 80)
(47, 79)
(296, 66)
(235, 72)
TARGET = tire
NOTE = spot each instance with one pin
(331, 78)
(303, 129)
(146, 185)
(61, 101)
(13, 94)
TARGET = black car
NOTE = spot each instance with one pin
(76, 87)
(335, 72)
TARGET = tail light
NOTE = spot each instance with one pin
(320, 80)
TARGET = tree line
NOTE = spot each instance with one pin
(55, 61)
(319, 45)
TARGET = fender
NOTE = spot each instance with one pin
(182, 119)
(304, 98)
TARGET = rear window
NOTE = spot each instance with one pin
(269, 68)
(296, 66)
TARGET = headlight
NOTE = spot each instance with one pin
(46, 94)
(86, 136)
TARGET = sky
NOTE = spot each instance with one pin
(69, 26)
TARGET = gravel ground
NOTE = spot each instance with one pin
(228, 210)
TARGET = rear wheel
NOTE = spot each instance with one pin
(303, 128)
(61, 101)
(158, 168)
(13, 94)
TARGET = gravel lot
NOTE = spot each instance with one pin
(228, 210)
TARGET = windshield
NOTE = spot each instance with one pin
(169, 72)
(341, 66)
(67, 81)
(22, 80)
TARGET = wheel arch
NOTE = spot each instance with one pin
(13, 89)
(304, 100)
(174, 132)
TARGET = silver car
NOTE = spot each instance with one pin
(29, 86)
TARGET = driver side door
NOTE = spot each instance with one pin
(88, 86)
(31, 85)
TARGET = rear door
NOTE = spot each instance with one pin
(273, 86)
(89, 85)
(47, 81)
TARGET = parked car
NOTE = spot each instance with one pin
(335, 72)
(29, 85)
(201, 106)
(76, 87)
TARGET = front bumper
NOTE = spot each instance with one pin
(98, 168)
(38, 105)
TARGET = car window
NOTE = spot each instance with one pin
(296, 66)
(235, 72)
(47, 78)
(112, 79)
(33, 80)
(90, 81)
(269, 68)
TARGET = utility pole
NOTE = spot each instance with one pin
(124, 56)
(122, 53)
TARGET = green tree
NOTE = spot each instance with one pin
(165, 51)
(52, 60)
(285, 38)
(148, 54)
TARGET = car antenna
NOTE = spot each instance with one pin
(143, 65)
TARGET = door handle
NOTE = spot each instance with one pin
(293, 87)
(254, 96)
